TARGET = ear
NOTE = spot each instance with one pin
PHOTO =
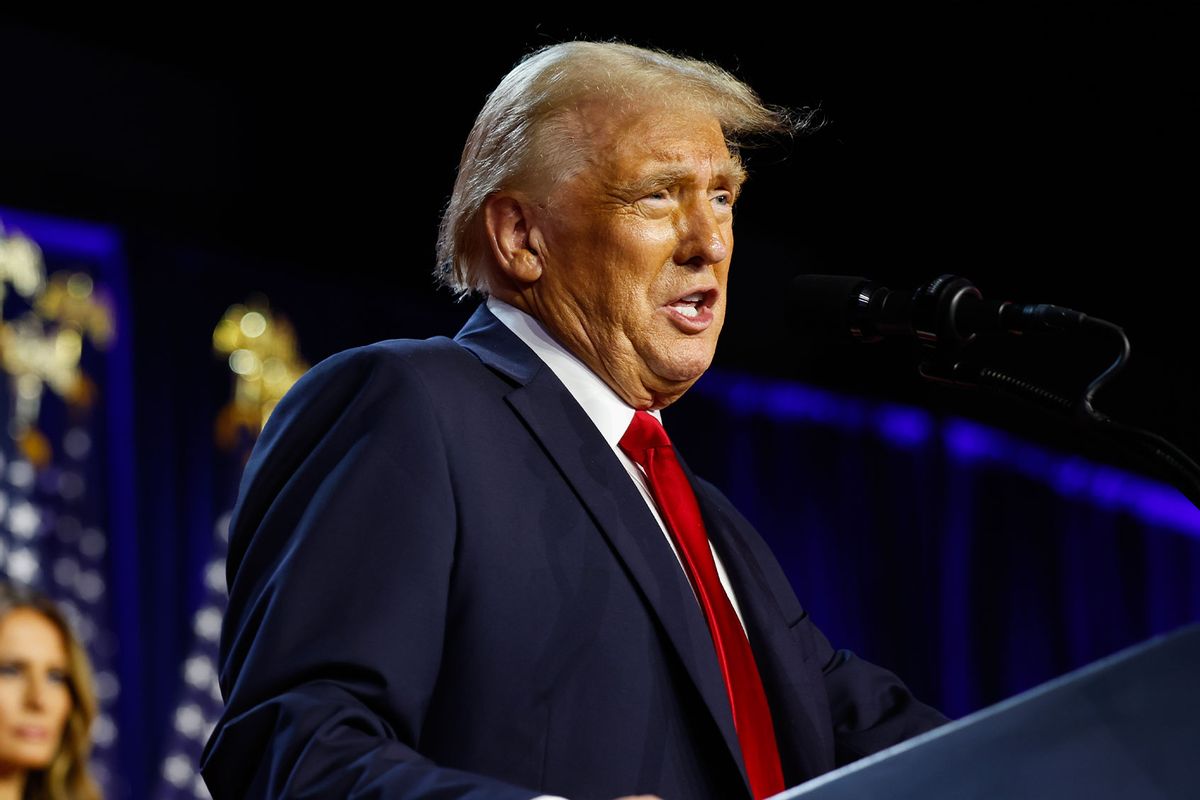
(512, 235)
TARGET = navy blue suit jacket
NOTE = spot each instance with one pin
(444, 584)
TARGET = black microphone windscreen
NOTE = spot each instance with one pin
(824, 303)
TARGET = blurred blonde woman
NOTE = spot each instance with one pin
(47, 702)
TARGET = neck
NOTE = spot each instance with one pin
(622, 376)
(12, 783)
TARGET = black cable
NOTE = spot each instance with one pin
(1085, 402)
(1180, 469)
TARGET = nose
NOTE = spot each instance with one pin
(703, 239)
(35, 693)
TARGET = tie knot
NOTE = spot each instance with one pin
(643, 434)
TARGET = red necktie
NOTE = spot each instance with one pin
(647, 444)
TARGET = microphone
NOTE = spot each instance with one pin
(948, 309)
(946, 314)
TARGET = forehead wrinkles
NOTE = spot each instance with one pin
(601, 135)
(635, 162)
(678, 166)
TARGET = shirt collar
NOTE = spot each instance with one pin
(608, 412)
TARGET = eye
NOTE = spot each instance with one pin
(10, 668)
(660, 194)
(59, 676)
(723, 199)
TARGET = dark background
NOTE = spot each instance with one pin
(1049, 157)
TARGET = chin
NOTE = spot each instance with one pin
(685, 370)
(27, 759)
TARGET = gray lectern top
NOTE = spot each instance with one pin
(1125, 727)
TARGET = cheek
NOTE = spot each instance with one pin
(10, 702)
(61, 706)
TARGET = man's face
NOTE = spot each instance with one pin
(635, 249)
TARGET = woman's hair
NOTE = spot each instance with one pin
(67, 777)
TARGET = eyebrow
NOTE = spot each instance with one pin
(24, 661)
(21, 661)
(731, 172)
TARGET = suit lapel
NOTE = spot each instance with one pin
(603, 487)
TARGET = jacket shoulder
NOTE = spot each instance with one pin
(393, 360)
(382, 397)
(393, 375)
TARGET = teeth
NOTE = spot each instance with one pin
(689, 306)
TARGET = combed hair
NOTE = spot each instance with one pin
(67, 776)
(522, 133)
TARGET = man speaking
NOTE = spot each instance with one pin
(477, 567)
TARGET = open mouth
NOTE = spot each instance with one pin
(689, 306)
(694, 304)
(693, 311)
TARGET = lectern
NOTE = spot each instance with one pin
(1125, 727)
